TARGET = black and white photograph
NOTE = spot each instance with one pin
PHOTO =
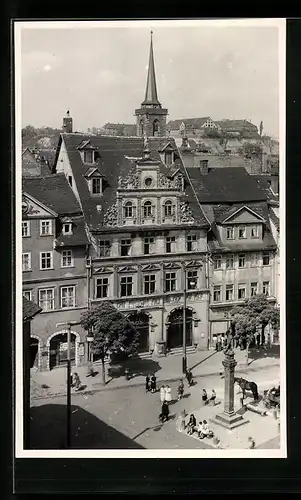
(150, 222)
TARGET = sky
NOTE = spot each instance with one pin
(99, 73)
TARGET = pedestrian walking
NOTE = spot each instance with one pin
(204, 397)
(251, 443)
(180, 390)
(168, 397)
(162, 394)
(164, 412)
(153, 383)
(147, 383)
(76, 381)
(213, 397)
(189, 377)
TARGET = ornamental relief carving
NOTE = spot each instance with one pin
(130, 181)
(137, 304)
(111, 216)
(176, 183)
(185, 212)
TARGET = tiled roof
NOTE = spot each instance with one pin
(78, 236)
(30, 309)
(258, 208)
(54, 192)
(225, 185)
(274, 218)
(189, 123)
(226, 124)
(117, 158)
(215, 245)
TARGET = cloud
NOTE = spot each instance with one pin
(47, 68)
(39, 61)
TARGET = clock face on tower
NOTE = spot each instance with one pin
(25, 206)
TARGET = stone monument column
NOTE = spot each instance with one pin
(229, 418)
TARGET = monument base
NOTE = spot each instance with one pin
(229, 421)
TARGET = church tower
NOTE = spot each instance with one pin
(67, 123)
(151, 117)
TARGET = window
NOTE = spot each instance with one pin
(254, 259)
(192, 279)
(102, 285)
(266, 258)
(266, 288)
(96, 185)
(67, 258)
(128, 210)
(217, 262)
(241, 291)
(147, 209)
(230, 261)
(149, 284)
(27, 294)
(191, 242)
(104, 248)
(125, 247)
(254, 232)
(253, 289)
(26, 262)
(46, 299)
(170, 244)
(168, 211)
(217, 294)
(148, 181)
(242, 260)
(242, 232)
(25, 228)
(168, 158)
(45, 227)
(229, 292)
(67, 296)
(67, 228)
(170, 282)
(88, 156)
(230, 233)
(203, 165)
(126, 286)
(147, 245)
(45, 260)
(70, 179)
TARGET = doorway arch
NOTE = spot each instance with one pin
(141, 322)
(58, 349)
(175, 328)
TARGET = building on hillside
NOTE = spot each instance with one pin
(30, 310)
(191, 127)
(54, 252)
(243, 128)
(241, 246)
(36, 162)
(122, 129)
(151, 117)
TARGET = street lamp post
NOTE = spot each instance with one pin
(68, 408)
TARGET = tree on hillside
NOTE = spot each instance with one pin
(250, 150)
(113, 334)
(255, 313)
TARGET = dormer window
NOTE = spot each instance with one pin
(89, 157)
(96, 185)
(67, 228)
(168, 158)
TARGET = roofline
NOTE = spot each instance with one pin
(24, 193)
(241, 208)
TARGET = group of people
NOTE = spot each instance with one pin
(202, 429)
(151, 383)
(206, 400)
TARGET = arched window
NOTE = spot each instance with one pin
(128, 210)
(147, 209)
(168, 208)
(155, 127)
(141, 127)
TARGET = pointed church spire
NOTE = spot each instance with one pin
(151, 96)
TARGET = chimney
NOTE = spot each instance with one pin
(204, 167)
(68, 123)
(201, 162)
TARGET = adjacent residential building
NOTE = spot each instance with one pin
(55, 247)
